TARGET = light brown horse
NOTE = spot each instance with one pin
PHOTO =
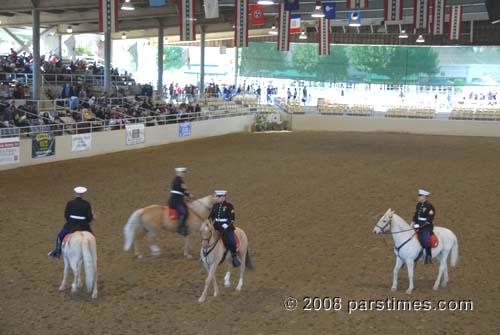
(149, 221)
(212, 253)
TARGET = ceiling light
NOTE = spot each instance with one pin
(420, 39)
(403, 34)
(273, 31)
(265, 2)
(69, 29)
(124, 36)
(303, 35)
(127, 5)
(318, 11)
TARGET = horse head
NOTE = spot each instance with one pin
(206, 231)
(384, 224)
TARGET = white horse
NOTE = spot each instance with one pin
(212, 254)
(80, 247)
(407, 248)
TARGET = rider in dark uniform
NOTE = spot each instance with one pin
(177, 193)
(423, 222)
(78, 215)
(222, 215)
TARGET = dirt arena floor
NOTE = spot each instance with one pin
(308, 202)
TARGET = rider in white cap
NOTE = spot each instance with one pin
(176, 200)
(423, 222)
(78, 215)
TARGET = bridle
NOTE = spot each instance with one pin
(389, 222)
(207, 249)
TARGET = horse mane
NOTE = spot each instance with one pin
(400, 221)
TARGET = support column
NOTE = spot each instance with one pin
(236, 67)
(36, 51)
(202, 62)
(159, 86)
(107, 64)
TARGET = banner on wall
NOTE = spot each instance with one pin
(81, 142)
(9, 150)
(134, 133)
(43, 144)
(184, 129)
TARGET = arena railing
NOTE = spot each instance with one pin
(90, 126)
(63, 78)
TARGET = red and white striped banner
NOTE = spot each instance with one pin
(108, 16)
(393, 10)
(324, 36)
(438, 13)
(187, 22)
(240, 23)
(353, 4)
(455, 22)
(421, 14)
(284, 29)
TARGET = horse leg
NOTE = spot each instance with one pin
(65, 274)
(139, 237)
(79, 282)
(242, 270)
(442, 270)
(155, 249)
(211, 275)
(186, 247)
(397, 267)
(410, 264)
(76, 274)
(227, 277)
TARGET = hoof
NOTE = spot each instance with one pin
(394, 289)
(409, 291)
(238, 288)
(200, 301)
(227, 285)
(188, 256)
(139, 256)
(444, 284)
(61, 288)
(435, 288)
(94, 296)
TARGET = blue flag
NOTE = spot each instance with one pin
(156, 3)
(291, 5)
(329, 10)
(355, 18)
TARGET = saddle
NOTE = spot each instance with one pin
(432, 241)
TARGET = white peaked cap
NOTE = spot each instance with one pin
(220, 192)
(80, 189)
(180, 169)
(423, 192)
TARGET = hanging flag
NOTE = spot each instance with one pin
(438, 13)
(455, 22)
(420, 14)
(134, 53)
(257, 14)
(329, 10)
(187, 20)
(355, 4)
(324, 36)
(354, 17)
(241, 23)
(70, 43)
(108, 16)
(157, 3)
(291, 5)
(211, 9)
(294, 23)
(186, 57)
(284, 29)
(393, 10)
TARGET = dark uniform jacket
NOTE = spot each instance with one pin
(78, 214)
(223, 213)
(177, 193)
(424, 215)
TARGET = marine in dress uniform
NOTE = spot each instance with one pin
(223, 216)
(423, 222)
(177, 193)
(78, 215)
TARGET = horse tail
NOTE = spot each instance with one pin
(248, 260)
(454, 253)
(129, 230)
(89, 262)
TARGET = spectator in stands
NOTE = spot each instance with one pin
(67, 91)
(7, 115)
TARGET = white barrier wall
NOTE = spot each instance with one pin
(113, 141)
(399, 125)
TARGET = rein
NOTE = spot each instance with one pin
(397, 232)
(209, 248)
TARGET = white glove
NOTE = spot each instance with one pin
(225, 225)
(416, 225)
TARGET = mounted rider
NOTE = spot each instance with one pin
(223, 216)
(423, 222)
(78, 215)
(176, 201)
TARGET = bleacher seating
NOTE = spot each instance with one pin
(410, 112)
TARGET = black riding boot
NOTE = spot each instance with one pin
(428, 256)
(181, 228)
(56, 253)
(236, 261)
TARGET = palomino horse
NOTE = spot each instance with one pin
(80, 247)
(212, 254)
(407, 248)
(152, 219)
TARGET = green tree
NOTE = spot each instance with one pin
(395, 63)
(306, 59)
(173, 57)
(261, 57)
